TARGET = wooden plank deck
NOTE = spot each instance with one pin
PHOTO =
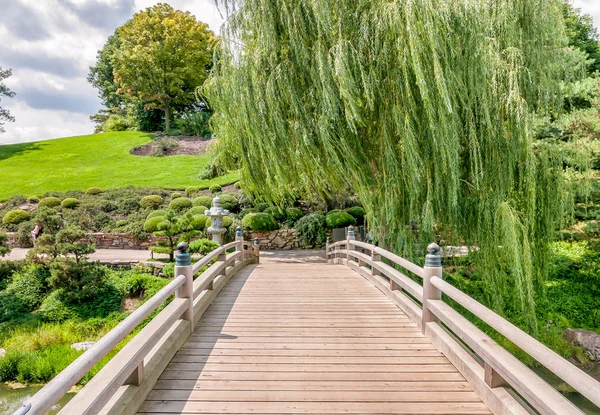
(308, 338)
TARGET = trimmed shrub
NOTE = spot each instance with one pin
(175, 195)
(261, 206)
(339, 219)
(245, 212)
(199, 222)
(203, 246)
(70, 203)
(180, 204)
(93, 191)
(229, 202)
(259, 222)
(121, 223)
(237, 185)
(215, 188)
(191, 190)
(197, 210)
(312, 229)
(151, 225)
(357, 213)
(33, 199)
(202, 201)
(227, 221)
(276, 212)
(152, 201)
(54, 309)
(50, 202)
(128, 205)
(156, 213)
(293, 214)
(14, 217)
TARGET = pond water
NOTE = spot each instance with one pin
(12, 399)
(582, 403)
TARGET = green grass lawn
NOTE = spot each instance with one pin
(98, 160)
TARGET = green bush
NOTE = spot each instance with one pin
(238, 185)
(312, 229)
(105, 300)
(357, 213)
(33, 199)
(36, 366)
(121, 223)
(197, 210)
(259, 222)
(276, 212)
(25, 293)
(245, 212)
(202, 201)
(70, 203)
(14, 217)
(227, 221)
(119, 123)
(180, 204)
(339, 219)
(54, 309)
(156, 214)
(175, 195)
(128, 205)
(199, 222)
(196, 123)
(93, 191)
(293, 214)
(261, 206)
(203, 246)
(229, 202)
(191, 190)
(152, 202)
(50, 202)
(151, 225)
(173, 132)
(215, 188)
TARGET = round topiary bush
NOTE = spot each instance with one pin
(181, 203)
(191, 190)
(14, 217)
(156, 214)
(151, 225)
(293, 214)
(312, 229)
(245, 212)
(227, 222)
(197, 210)
(215, 188)
(33, 199)
(229, 202)
(339, 219)
(50, 202)
(121, 223)
(258, 222)
(261, 206)
(199, 222)
(93, 191)
(357, 213)
(175, 195)
(202, 201)
(276, 212)
(70, 203)
(152, 201)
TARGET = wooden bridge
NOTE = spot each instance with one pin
(351, 334)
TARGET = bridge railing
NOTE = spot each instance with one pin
(505, 384)
(140, 362)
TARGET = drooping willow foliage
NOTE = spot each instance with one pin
(422, 107)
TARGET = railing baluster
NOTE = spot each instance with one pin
(137, 376)
(433, 268)
(351, 236)
(183, 266)
(239, 238)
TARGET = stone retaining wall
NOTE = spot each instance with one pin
(106, 241)
(285, 239)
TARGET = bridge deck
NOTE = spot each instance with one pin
(295, 337)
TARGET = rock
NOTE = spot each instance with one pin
(589, 340)
(82, 345)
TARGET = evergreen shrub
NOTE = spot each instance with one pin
(152, 201)
(70, 203)
(312, 229)
(50, 202)
(276, 212)
(33, 199)
(93, 191)
(357, 213)
(215, 188)
(180, 204)
(229, 202)
(258, 222)
(202, 201)
(339, 219)
(14, 217)
(191, 190)
(175, 195)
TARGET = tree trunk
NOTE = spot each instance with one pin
(167, 115)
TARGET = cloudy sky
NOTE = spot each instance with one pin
(50, 44)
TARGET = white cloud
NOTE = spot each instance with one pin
(49, 45)
(591, 7)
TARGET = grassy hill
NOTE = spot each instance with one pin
(98, 160)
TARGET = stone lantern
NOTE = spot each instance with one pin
(216, 214)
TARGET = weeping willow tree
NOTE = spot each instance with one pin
(423, 107)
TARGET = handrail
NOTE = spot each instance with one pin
(127, 367)
(47, 397)
(425, 303)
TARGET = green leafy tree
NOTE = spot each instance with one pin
(163, 55)
(582, 34)
(422, 107)
(175, 228)
(6, 92)
(102, 77)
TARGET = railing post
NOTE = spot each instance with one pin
(183, 266)
(375, 258)
(433, 268)
(239, 237)
(349, 237)
(257, 245)
(327, 243)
